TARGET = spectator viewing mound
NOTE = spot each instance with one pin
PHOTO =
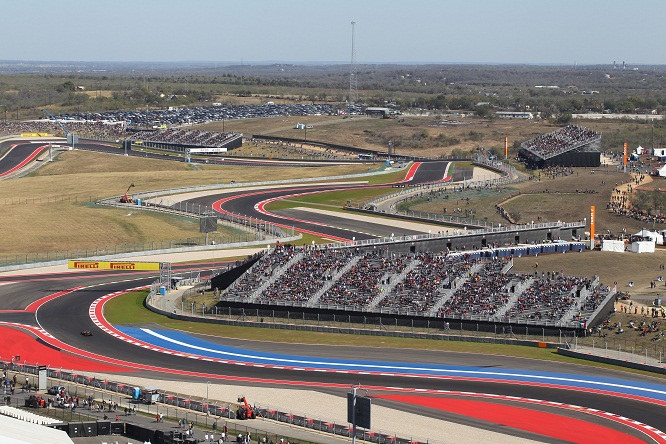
(571, 146)
(419, 286)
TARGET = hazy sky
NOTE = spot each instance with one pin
(401, 31)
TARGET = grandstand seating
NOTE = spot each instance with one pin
(174, 136)
(455, 286)
(557, 142)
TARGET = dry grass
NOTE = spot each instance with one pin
(110, 175)
(52, 211)
(610, 267)
(550, 199)
(621, 268)
(373, 133)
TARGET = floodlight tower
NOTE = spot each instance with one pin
(353, 84)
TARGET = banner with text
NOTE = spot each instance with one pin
(107, 265)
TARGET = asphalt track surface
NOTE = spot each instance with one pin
(251, 205)
(110, 148)
(18, 155)
(65, 316)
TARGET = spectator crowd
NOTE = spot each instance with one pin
(158, 125)
(556, 142)
(456, 286)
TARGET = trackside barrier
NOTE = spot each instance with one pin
(201, 411)
(150, 249)
(645, 365)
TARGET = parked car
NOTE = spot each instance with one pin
(56, 389)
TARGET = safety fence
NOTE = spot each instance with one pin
(623, 348)
(242, 240)
(466, 329)
(204, 412)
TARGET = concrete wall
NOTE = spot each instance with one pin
(606, 360)
(478, 241)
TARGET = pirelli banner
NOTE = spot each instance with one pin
(103, 265)
(36, 134)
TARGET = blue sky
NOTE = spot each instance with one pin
(417, 31)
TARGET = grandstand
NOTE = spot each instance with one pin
(570, 146)
(173, 139)
(456, 286)
(179, 139)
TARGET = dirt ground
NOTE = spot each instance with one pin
(641, 269)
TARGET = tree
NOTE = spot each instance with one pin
(74, 99)
(564, 118)
(483, 111)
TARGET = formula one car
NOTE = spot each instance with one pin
(86, 333)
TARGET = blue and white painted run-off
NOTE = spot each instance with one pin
(178, 342)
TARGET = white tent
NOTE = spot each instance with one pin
(661, 172)
(18, 431)
(642, 247)
(656, 237)
(640, 150)
(612, 245)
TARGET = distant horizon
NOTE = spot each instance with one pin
(325, 63)
(483, 32)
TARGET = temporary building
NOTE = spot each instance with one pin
(653, 235)
(18, 431)
(661, 172)
(612, 245)
(642, 247)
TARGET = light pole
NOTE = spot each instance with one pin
(207, 385)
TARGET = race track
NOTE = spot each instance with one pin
(57, 307)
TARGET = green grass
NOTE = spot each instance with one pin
(334, 198)
(129, 309)
(395, 176)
